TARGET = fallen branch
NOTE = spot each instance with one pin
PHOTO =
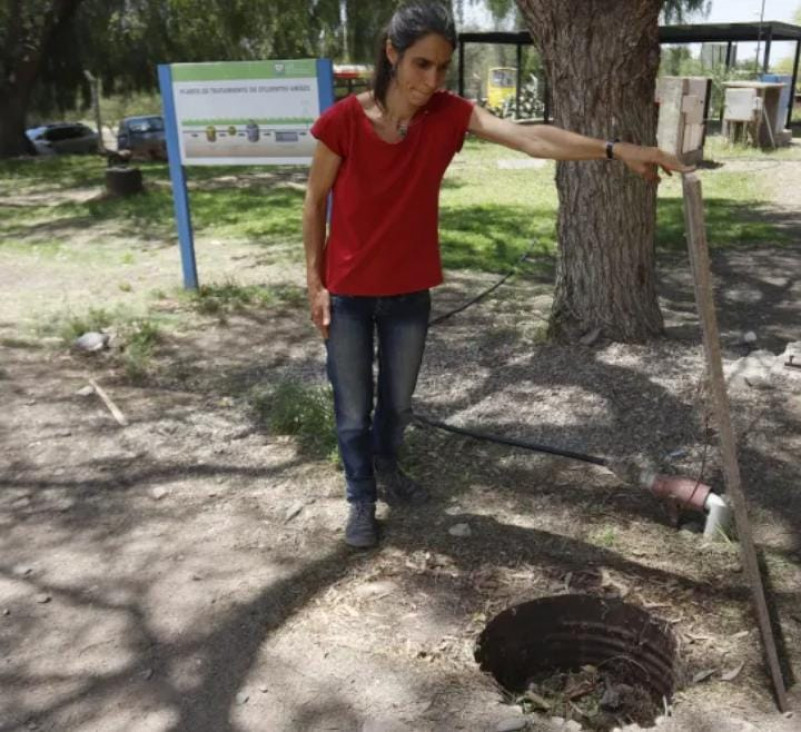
(112, 407)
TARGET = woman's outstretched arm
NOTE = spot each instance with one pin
(547, 141)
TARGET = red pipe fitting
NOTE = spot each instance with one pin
(685, 492)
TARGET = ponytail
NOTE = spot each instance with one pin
(383, 72)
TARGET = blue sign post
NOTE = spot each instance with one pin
(269, 109)
(180, 195)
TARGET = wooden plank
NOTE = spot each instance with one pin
(112, 407)
(693, 139)
(670, 124)
(699, 260)
(739, 105)
(697, 86)
(693, 108)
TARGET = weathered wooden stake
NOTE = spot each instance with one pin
(699, 260)
(112, 407)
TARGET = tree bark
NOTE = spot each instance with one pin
(12, 125)
(601, 57)
(124, 181)
(20, 67)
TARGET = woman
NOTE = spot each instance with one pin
(383, 153)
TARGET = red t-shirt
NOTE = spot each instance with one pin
(384, 237)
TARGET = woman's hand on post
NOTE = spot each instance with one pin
(320, 305)
(646, 161)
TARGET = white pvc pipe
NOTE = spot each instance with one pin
(718, 516)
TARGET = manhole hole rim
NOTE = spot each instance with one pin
(602, 624)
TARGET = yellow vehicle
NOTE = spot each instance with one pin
(501, 85)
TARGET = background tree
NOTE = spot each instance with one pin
(29, 31)
(675, 12)
(785, 65)
(46, 45)
(601, 57)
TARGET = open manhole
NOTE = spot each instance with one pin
(600, 662)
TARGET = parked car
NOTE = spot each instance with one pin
(143, 136)
(63, 137)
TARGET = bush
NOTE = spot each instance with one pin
(305, 412)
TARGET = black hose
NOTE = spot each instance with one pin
(494, 438)
(511, 442)
(482, 295)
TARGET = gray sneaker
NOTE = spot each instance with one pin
(397, 486)
(361, 531)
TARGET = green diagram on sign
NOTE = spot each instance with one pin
(253, 111)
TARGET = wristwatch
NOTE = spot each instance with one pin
(610, 144)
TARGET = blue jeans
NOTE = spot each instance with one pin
(401, 324)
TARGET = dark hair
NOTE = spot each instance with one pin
(411, 22)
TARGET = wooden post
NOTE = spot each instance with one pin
(518, 78)
(112, 407)
(94, 86)
(793, 82)
(124, 181)
(699, 260)
(461, 68)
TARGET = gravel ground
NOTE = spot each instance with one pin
(187, 571)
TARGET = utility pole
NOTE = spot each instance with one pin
(759, 36)
(94, 86)
(343, 19)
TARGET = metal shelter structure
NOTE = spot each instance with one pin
(729, 33)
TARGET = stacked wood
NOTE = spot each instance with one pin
(681, 128)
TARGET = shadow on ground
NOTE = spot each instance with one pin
(526, 513)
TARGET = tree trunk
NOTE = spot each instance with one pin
(124, 181)
(601, 57)
(13, 141)
(21, 64)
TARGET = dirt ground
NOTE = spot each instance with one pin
(187, 571)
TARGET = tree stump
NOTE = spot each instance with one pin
(123, 181)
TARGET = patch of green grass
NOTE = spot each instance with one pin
(140, 338)
(135, 338)
(71, 326)
(291, 295)
(40, 248)
(489, 215)
(253, 213)
(20, 343)
(303, 411)
(717, 147)
(605, 537)
(735, 209)
(230, 296)
(36, 174)
(143, 335)
(263, 210)
(493, 237)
